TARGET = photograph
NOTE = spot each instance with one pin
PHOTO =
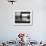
(23, 18)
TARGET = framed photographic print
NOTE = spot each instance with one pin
(23, 18)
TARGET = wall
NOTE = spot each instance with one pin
(9, 31)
